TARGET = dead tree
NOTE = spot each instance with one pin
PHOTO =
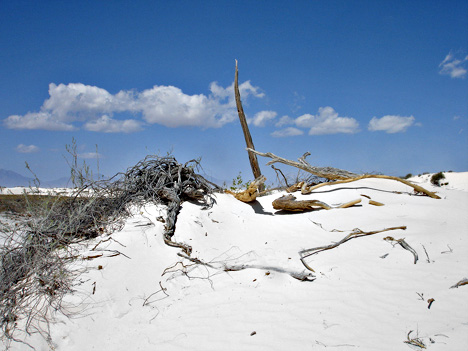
(340, 176)
(245, 129)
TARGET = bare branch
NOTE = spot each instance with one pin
(404, 245)
(324, 172)
(341, 176)
(356, 233)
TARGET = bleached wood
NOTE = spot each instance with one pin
(245, 128)
(251, 193)
(339, 175)
(418, 188)
(324, 172)
(289, 203)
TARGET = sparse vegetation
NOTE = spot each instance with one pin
(39, 244)
(238, 183)
(436, 179)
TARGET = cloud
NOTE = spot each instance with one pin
(262, 117)
(37, 120)
(287, 132)
(27, 149)
(107, 124)
(391, 124)
(285, 120)
(71, 105)
(326, 121)
(453, 67)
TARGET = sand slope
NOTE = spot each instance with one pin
(367, 295)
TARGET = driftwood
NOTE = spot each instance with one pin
(227, 267)
(251, 193)
(323, 172)
(460, 283)
(289, 203)
(340, 176)
(404, 245)
(417, 188)
(414, 341)
(245, 128)
(356, 233)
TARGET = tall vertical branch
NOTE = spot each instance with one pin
(245, 128)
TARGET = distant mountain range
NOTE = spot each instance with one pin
(11, 179)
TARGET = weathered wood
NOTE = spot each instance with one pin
(404, 245)
(251, 193)
(323, 172)
(341, 176)
(289, 203)
(245, 128)
(356, 233)
(460, 283)
(417, 188)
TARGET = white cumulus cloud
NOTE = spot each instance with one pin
(453, 67)
(283, 121)
(27, 149)
(38, 120)
(287, 132)
(391, 124)
(73, 104)
(326, 121)
(261, 118)
(107, 124)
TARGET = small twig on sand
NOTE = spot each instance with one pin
(414, 341)
(427, 255)
(356, 233)
(449, 251)
(303, 276)
(404, 245)
(460, 283)
(162, 289)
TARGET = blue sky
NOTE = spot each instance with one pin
(368, 86)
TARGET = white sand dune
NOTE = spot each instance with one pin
(367, 294)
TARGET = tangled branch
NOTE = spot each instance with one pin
(38, 249)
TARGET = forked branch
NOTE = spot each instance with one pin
(356, 233)
(340, 176)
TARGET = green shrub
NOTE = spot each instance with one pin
(436, 178)
(238, 183)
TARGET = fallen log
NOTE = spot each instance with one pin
(289, 203)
